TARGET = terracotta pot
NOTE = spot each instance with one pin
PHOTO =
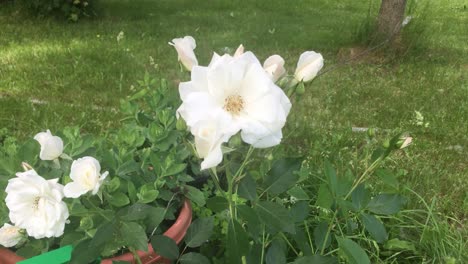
(176, 232)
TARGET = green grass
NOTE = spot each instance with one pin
(82, 72)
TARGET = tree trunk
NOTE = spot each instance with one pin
(391, 16)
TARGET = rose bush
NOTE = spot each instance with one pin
(211, 142)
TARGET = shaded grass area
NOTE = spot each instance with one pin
(55, 74)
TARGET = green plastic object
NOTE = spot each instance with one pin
(59, 256)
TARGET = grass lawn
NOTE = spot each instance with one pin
(55, 74)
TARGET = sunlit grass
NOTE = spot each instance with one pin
(82, 72)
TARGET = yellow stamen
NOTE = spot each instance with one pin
(234, 104)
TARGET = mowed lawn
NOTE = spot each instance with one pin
(55, 74)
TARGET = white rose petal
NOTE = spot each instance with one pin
(274, 66)
(239, 51)
(10, 235)
(208, 139)
(86, 176)
(309, 64)
(184, 47)
(51, 146)
(406, 142)
(241, 90)
(35, 204)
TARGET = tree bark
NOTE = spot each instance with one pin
(391, 16)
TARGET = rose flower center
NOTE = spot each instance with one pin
(234, 104)
(36, 202)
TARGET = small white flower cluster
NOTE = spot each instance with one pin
(36, 204)
(236, 94)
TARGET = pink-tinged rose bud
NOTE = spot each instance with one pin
(405, 142)
(309, 64)
(184, 47)
(274, 66)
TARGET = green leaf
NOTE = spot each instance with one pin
(134, 236)
(360, 197)
(132, 192)
(320, 234)
(72, 238)
(386, 204)
(399, 245)
(249, 215)
(128, 167)
(316, 259)
(353, 252)
(29, 151)
(375, 228)
(165, 246)
(330, 175)
(134, 212)
(281, 176)
(302, 242)
(155, 217)
(194, 258)
(388, 178)
(199, 231)
(113, 185)
(174, 169)
(275, 254)
(195, 195)
(325, 198)
(117, 199)
(104, 234)
(84, 253)
(300, 211)
(31, 249)
(275, 216)
(147, 193)
(217, 204)
(298, 193)
(248, 188)
(237, 242)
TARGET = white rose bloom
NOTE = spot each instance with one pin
(274, 66)
(86, 176)
(309, 64)
(184, 47)
(51, 146)
(10, 235)
(36, 205)
(241, 93)
(239, 51)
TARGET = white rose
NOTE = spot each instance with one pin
(274, 66)
(244, 94)
(36, 205)
(10, 235)
(86, 176)
(51, 146)
(239, 51)
(184, 47)
(309, 64)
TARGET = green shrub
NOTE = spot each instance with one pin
(71, 9)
